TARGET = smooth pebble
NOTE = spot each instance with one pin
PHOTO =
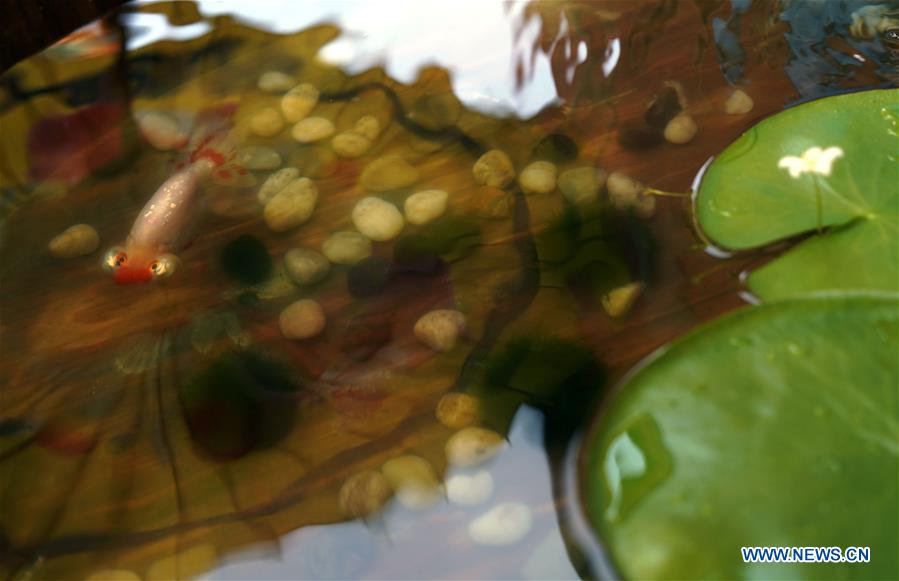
(388, 173)
(504, 524)
(473, 446)
(345, 247)
(494, 168)
(302, 319)
(469, 489)
(298, 102)
(618, 301)
(266, 122)
(275, 82)
(74, 241)
(422, 207)
(364, 493)
(681, 129)
(312, 129)
(161, 130)
(350, 144)
(306, 266)
(440, 329)
(276, 182)
(414, 481)
(457, 410)
(581, 185)
(623, 190)
(368, 126)
(257, 158)
(377, 219)
(292, 206)
(738, 103)
(538, 178)
(645, 205)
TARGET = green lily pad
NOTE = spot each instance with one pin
(777, 425)
(772, 184)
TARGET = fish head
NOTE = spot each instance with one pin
(133, 265)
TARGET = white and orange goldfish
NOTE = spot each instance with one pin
(166, 223)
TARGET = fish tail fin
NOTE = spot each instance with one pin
(211, 142)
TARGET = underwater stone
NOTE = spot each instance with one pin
(457, 410)
(246, 259)
(618, 302)
(581, 185)
(75, 241)
(369, 276)
(504, 524)
(364, 493)
(302, 319)
(256, 158)
(275, 82)
(436, 111)
(414, 481)
(276, 182)
(298, 102)
(681, 129)
(387, 173)
(738, 103)
(422, 207)
(292, 206)
(350, 144)
(469, 489)
(645, 205)
(557, 148)
(623, 190)
(161, 130)
(538, 178)
(377, 219)
(346, 247)
(473, 446)
(266, 122)
(305, 266)
(493, 203)
(494, 168)
(368, 126)
(440, 329)
(315, 161)
(312, 129)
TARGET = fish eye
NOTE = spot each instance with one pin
(164, 266)
(114, 259)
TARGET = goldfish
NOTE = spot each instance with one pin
(166, 224)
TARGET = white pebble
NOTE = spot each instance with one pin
(298, 102)
(275, 82)
(469, 489)
(538, 178)
(305, 266)
(494, 168)
(302, 319)
(312, 129)
(74, 241)
(377, 219)
(738, 103)
(350, 144)
(292, 206)
(504, 524)
(473, 446)
(161, 130)
(346, 247)
(623, 190)
(388, 173)
(681, 129)
(581, 185)
(276, 182)
(414, 481)
(368, 126)
(422, 207)
(256, 158)
(440, 329)
(266, 122)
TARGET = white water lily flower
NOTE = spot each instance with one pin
(814, 160)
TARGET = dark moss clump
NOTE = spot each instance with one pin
(663, 109)
(557, 148)
(240, 403)
(369, 276)
(246, 260)
(417, 254)
(454, 237)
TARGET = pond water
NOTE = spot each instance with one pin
(209, 424)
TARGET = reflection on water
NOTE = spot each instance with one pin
(330, 389)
